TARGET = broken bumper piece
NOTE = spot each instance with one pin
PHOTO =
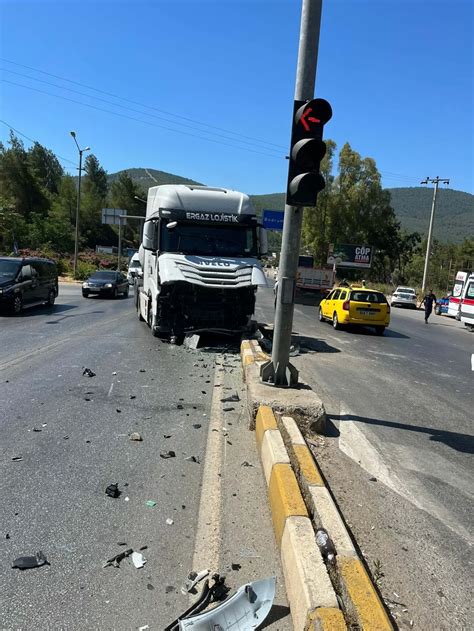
(243, 611)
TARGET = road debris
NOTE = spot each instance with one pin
(168, 454)
(135, 436)
(326, 545)
(193, 579)
(191, 341)
(150, 503)
(112, 490)
(216, 593)
(17, 458)
(115, 560)
(167, 435)
(245, 463)
(30, 562)
(138, 560)
(197, 425)
(232, 399)
(169, 521)
(193, 459)
(252, 601)
(132, 396)
(228, 409)
(87, 372)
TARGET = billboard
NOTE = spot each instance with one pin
(347, 255)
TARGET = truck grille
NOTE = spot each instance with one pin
(215, 276)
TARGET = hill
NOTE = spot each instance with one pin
(454, 209)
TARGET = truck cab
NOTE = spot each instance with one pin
(200, 257)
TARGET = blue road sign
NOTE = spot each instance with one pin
(273, 219)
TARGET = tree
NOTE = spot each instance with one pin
(93, 199)
(18, 181)
(45, 167)
(60, 224)
(122, 195)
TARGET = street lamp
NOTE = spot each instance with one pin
(78, 207)
(140, 199)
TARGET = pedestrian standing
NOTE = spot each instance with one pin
(428, 302)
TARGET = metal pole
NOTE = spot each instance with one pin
(436, 182)
(119, 255)
(281, 372)
(78, 208)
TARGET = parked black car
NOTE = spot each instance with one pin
(28, 281)
(105, 284)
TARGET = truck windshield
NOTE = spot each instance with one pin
(9, 269)
(209, 240)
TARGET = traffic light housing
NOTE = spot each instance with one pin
(307, 151)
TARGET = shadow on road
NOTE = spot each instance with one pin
(277, 612)
(368, 330)
(455, 440)
(312, 345)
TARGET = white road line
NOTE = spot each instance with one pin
(208, 532)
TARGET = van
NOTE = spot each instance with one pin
(28, 281)
(134, 269)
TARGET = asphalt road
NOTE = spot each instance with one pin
(54, 498)
(401, 408)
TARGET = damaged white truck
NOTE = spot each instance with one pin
(200, 258)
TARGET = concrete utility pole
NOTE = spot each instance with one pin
(436, 182)
(282, 372)
(78, 207)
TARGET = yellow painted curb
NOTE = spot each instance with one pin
(306, 466)
(361, 598)
(285, 498)
(326, 619)
(265, 420)
(273, 452)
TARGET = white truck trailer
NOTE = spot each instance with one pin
(200, 259)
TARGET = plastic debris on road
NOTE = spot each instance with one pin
(169, 521)
(17, 458)
(138, 560)
(115, 560)
(135, 436)
(150, 503)
(87, 372)
(112, 490)
(245, 610)
(232, 399)
(193, 579)
(168, 454)
(30, 562)
(326, 545)
(193, 459)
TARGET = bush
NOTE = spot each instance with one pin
(84, 270)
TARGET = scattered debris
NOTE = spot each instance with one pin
(118, 410)
(87, 372)
(30, 562)
(132, 396)
(169, 589)
(245, 463)
(66, 437)
(180, 406)
(43, 424)
(191, 341)
(36, 429)
(193, 459)
(150, 587)
(142, 370)
(197, 425)
(135, 436)
(150, 503)
(229, 409)
(112, 490)
(236, 567)
(115, 560)
(167, 435)
(372, 479)
(168, 454)
(7, 536)
(193, 579)
(146, 626)
(143, 548)
(138, 560)
(252, 601)
(232, 399)
(114, 373)
(126, 499)
(17, 458)
(169, 521)
(121, 543)
(326, 545)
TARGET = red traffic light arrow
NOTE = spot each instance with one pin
(306, 119)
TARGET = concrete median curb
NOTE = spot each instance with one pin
(328, 597)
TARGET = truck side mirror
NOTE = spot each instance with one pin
(150, 236)
(262, 241)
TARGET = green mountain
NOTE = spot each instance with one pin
(454, 209)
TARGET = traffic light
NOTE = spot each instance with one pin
(307, 151)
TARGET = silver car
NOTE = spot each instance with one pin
(404, 297)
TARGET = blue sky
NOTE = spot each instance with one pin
(398, 73)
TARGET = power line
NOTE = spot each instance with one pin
(101, 109)
(17, 131)
(122, 98)
(60, 87)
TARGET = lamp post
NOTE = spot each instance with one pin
(78, 207)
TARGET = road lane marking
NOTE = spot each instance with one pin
(208, 532)
(110, 389)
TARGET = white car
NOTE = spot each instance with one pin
(134, 269)
(404, 297)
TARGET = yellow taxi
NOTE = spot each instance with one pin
(356, 305)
